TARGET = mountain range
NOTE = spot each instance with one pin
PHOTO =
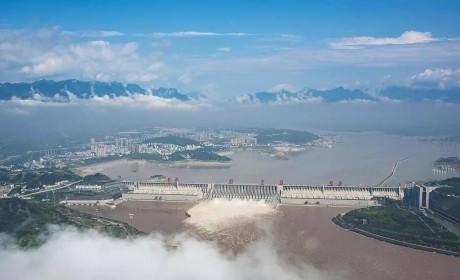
(306, 95)
(64, 91)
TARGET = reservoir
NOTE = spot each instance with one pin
(356, 158)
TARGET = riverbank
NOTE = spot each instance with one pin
(341, 223)
(200, 164)
(393, 223)
(32, 229)
(98, 167)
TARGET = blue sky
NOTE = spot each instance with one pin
(227, 48)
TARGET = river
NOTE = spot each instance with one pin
(305, 235)
(301, 235)
(357, 158)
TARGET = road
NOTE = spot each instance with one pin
(50, 190)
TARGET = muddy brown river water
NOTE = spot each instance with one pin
(301, 235)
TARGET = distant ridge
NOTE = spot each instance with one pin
(340, 94)
(63, 91)
(67, 90)
(306, 95)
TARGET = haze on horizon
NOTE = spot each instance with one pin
(230, 49)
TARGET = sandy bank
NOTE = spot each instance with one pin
(98, 167)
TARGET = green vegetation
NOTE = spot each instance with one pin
(4, 176)
(28, 221)
(96, 179)
(449, 161)
(149, 157)
(447, 199)
(273, 135)
(201, 154)
(102, 159)
(158, 177)
(175, 140)
(198, 154)
(37, 178)
(402, 224)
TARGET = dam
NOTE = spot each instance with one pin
(274, 194)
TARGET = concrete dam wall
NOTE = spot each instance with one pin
(288, 194)
(165, 191)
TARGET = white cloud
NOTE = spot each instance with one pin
(287, 38)
(438, 77)
(89, 58)
(93, 33)
(103, 77)
(27, 55)
(285, 86)
(408, 37)
(48, 53)
(358, 101)
(156, 66)
(14, 111)
(87, 255)
(130, 101)
(185, 79)
(198, 34)
(142, 77)
(225, 49)
(47, 65)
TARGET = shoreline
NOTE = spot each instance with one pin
(98, 167)
(339, 222)
(196, 163)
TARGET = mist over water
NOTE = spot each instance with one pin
(299, 240)
(214, 215)
(407, 118)
(73, 254)
(231, 224)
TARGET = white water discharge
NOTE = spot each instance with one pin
(214, 215)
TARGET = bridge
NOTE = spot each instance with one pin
(280, 193)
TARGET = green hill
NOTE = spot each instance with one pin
(28, 221)
(398, 223)
(97, 178)
(447, 199)
(38, 178)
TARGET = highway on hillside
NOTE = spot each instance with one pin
(50, 190)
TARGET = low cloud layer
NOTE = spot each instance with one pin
(71, 254)
(408, 37)
(438, 77)
(17, 106)
(197, 34)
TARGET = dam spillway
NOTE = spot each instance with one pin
(269, 193)
(286, 194)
